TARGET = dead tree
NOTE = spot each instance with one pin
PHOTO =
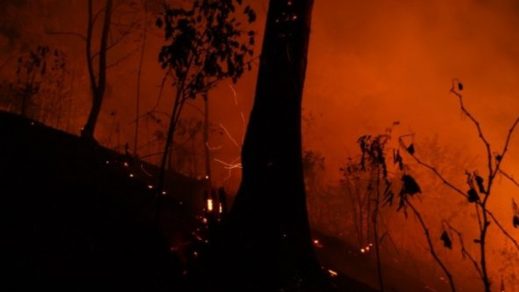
(480, 187)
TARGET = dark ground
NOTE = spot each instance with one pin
(72, 218)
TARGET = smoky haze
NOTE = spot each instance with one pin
(375, 62)
(371, 63)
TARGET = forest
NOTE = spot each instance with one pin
(259, 145)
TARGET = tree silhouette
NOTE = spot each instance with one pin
(97, 76)
(480, 188)
(38, 90)
(268, 241)
(205, 45)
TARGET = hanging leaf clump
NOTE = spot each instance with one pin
(409, 186)
(445, 238)
(480, 183)
(410, 149)
(472, 195)
(397, 159)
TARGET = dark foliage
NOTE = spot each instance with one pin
(409, 186)
(410, 149)
(40, 74)
(480, 183)
(472, 195)
(445, 238)
(205, 44)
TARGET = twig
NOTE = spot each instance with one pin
(509, 177)
(68, 33)
(431, 246)
(459, 191)
(500, 226)
(464, 251)
(478, 127)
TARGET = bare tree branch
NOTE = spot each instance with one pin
(500, 226)
(67, 33)
(505, 146)
(509, 177)
(464, 251)
(432, 250)
(478, 127)
(122, 58)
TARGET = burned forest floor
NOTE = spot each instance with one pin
(76, 216)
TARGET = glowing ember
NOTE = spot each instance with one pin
(164, 193)
(366, 248)
(317, 243)
(332, 273)
(125, 164)
(131, 175)
(220, 208)
(107, 162)
(210, 205)
(150, 187)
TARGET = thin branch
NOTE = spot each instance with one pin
(479, 217)
(435, 171)
(464, 251)
(431, 246)
(68, 33)
(478, 127)
(122, 59)
(508, 235)
(88, 43)
(509, 177)
(459, 191)
(506, 145)
(114, 43)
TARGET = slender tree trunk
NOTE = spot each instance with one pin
(172, 126)
(376, 237)
(206, 143)
(139, 79)
(268, 236)
(97, 83)
(482, 248)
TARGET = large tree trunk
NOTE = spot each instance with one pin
(268, 231)
(97, 84)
